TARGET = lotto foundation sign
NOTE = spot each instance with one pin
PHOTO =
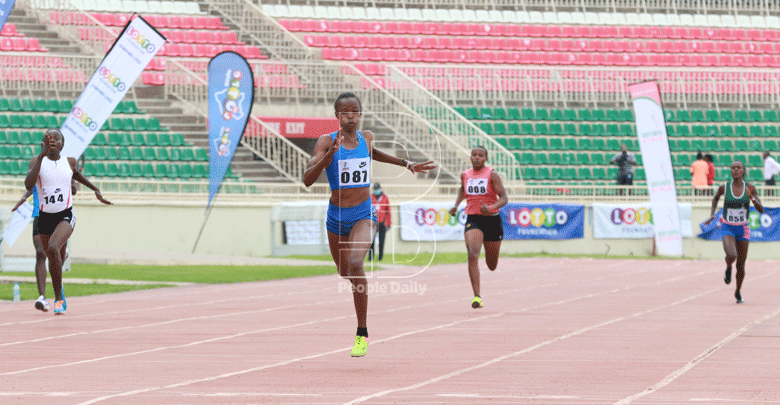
(633, 221)
(421, 221)
(543, 221)
(763, 227)
(132, 51)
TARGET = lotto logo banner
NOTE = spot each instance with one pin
(421, 221)
(131, 52)
(763, 227)
(633, 221)
(231, 93)
(543, 221)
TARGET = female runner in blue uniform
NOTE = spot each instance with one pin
(734, 223)
(346, 157)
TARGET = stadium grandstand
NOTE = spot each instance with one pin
(541, 84)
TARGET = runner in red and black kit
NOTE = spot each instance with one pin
(484, 193)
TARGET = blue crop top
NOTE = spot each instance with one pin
(350, 168)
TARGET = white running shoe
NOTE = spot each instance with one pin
(41, 304)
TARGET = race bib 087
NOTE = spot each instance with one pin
(355, 172)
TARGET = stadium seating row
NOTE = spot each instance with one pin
(201, 37)
(608, 175)
(19, 44)
(584, 114)
(157, 21)
(115, 153)
(139, 6)
(282, 11)
(262, 81)
(538, 44)
(9, 30)
(528, 31)
(58, 106)
(586, 143)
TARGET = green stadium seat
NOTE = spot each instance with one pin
(27, 105)
(472, 113)
(670, 130)
(712, 115)
(698, 116)
(140, 124)
(136, 153)
(556, 144)
(698, 130)
(741, 158)
(541, 129)
(770, 131)
(27, 153)
(684, 160)
(570, 115)
(639, 174)
(124, 170)
(585, 144)
(502, 141)
(599, 144)
(513, 128)
(756, 146)
(16, 105)
(584, 129)
(484, 114)
(555, 158)
(201, 171)
(111, 153)
(139, 139)
(669, 116)
(486, 127)
(188, 155)
(5, 105)
(117, 124)
(460, 110)
(39, 105)
(543, 173)
(15, 152)
(755, 161)
(683, 115)
(3, 138)
(13, 121)
(541, 114)
(584, 173)
(528, 114)
(120, 108)
(770, 145)
(28, 122)
(100, 153)
(682, 130)
(148, 170)
(132, 108)
(725, 160)
(626, 115)
(599, 173)
(570, 144)
(598, 115)
(556, 114)
(585, 115)
(697, 145)
(683, 174)
(556, 173)
(162, 154)
(526, 158)
(712, 131)
(727, 131)
(569, 129)
(639, 159)
(769, 115)
(627, 130)
(66, 106)
(499, 114)
(613, 144)
(529, 173)
(741, 116)
(499, 128)
(755, 116)
(515, 143)
(541, 144)
(712, 145)
(612, 130)
(124, 153)
(526, 128)
(52, 105)
(727, 115)
(598, 130)
(186, 171)
(100, 169)
(125, 139)
(161, 170)
(99, 139)
(201, 155)
(150, 154)
(89, 168)
(112, 170)
(723, 174)
(513, 114)
(756, 175)
(114, 139)
(598, 159)
(756, 131)
(174, 154)
(583, 158)
(174, 171)
(540, 158)
(14, 138)
(555, 129)
(741, 145)
(613, 115)
(51, 122)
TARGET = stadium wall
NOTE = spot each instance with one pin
(142, 230)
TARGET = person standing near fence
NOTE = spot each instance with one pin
(771, 169)
(484, 193)
(381, 203)
(734, 223)
(346, 156)
(624, 160)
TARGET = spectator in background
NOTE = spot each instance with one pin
(699, 174)
(624, 160)
(711, 171)
(771, 169)
(383, 220)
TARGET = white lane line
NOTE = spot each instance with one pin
(529, 349)
(691, 364)
(290, 361)
(509, 396)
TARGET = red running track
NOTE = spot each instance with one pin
(553, 331)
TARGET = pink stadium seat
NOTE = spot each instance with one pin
(641, 32)
(349, 41)
(599, 59)
(187, 50)
(736, 47)
(188, 22)
(584, 31)
(569, 31)
(626, 32)
(680, 33)
(554, 45)
(388, 41)
(766, 48)
(20, 45)
(770, 61)
(711, 60)
(391, 27)
(696, 33)
(430, 42)
(419, 28)
(34, 45)
(480, 29)
(724, 34)
(725, 60)
(175, 22)
(622, 46)
(755, 35)
(200, 23)
(638, 60)
(637, 46)
(551, 31)
(770, 35)
(666, 47)
(405, 28)
(503, 30)
(739, 34)
(433, 28)
(202, 51)
(753, 61)
(681, 46)
(375, 27)
(666, 33)
(9, 30)
(458, 29)
(696, 60)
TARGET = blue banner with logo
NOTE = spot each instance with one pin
(763, 227)
(231, 93)
(543, 221)
(5, 9)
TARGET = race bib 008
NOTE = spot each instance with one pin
(476, 186)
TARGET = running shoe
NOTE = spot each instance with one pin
(41, 304)
(727, 276)
(361, 346)
(58, 308)
(738, 296)
(476, 302)
(64, 301)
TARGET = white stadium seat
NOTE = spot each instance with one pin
(772, 22)
(536, 17)
(522, 17)
(155, 7)
(483, 16)
(469, 15)
(387, 14)
(401, 14)
(346, 13)
(646, 19)
(307, 12)
(456, 15)
(564, 17)
(633, 19)
(282, 11)
(496, 16)
(757, 21)
(429, 14)
(660, 19)
(686, 20)
(744, 21)
(372, 13)
(577, 17)
(700, 20)
(509, 16)
(673, 20)
(591, 18)
(713, 21)
(550, 17)
(415, 14)
(728, 21)
(605, 19)
(269, 10)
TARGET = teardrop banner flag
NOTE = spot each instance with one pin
(231, 94)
